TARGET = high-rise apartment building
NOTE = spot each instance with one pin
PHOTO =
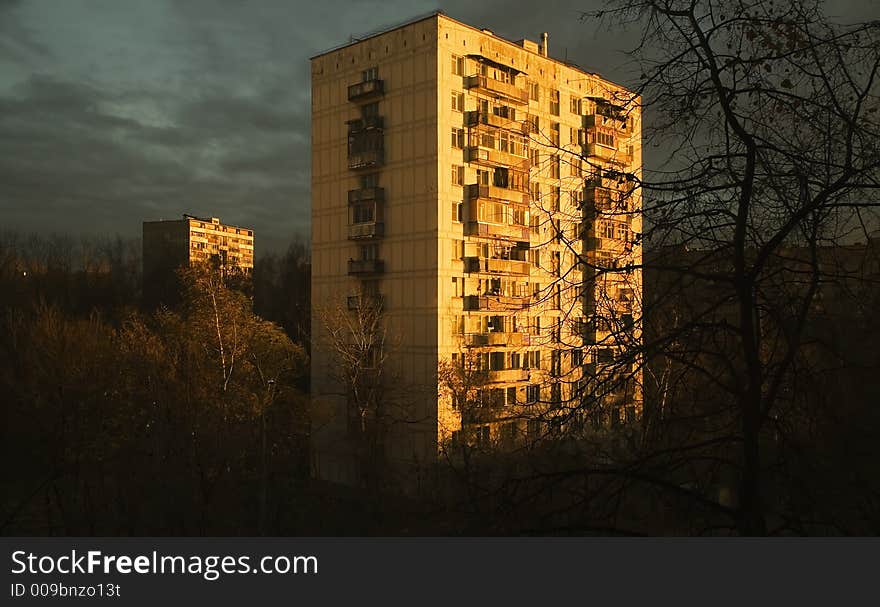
(172, 244)
(481, 195)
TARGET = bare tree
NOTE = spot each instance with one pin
(767, 115)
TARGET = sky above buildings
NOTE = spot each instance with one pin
(117, 111)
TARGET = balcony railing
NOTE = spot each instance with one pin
(366, 195)
(508, 375)
(475, 265)
(476, 117)
(475, 190)
(366, 90)
(514, 232)
(365, 123)
(497, 88)
(473, 303)
(497, 338)
(372, 229)
(366, 160)
(596, 150)
(365, 266)
(495, 158)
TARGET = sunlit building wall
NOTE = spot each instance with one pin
(483, 192)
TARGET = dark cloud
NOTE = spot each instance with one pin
(145, 110)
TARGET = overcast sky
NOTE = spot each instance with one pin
(118, 111)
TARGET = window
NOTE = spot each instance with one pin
(575, 105)
(554, 167)
(458, 291)
(554, 102)
(577, 357)
(370, 110)
(554, 199)
(370, 74)
(605, 138)
(457, 174)
(456, 211)
(534, 91)
(370, 181)
(458, 102)
(533, 393)
(369, 252)
(457, 249)
(457, 65)
(362, 213)
(554, 133)
(482, 436)
(457, 137)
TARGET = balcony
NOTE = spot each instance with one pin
(476, 118)
(497, 88)
(366, 90)
(366, 195)
(514, 232)
(361, 231)
(509, 375)
(366, 123)
(474, 191)
(596, 150)
(495, 158)
(366, 160)
(617, 120)
(496, 338)
(493, 303)
(359, 267)
(477, 265)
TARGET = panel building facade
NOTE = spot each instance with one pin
(172, 244)
(482, 195)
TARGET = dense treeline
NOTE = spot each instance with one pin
(120, 421)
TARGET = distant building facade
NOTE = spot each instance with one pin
(483, 193)
(172, 244)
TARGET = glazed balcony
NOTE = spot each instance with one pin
(366, 195)
(366, 230)
(365, 90)
(482, 265)
(474, 191)
(366, 123)
(497, 88)
(493, 303)
(491, 157)
(361, 267)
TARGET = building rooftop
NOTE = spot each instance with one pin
(521, 44)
